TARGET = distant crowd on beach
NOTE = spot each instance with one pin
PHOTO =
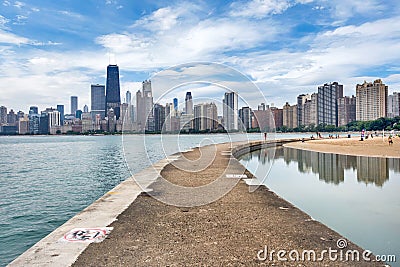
(364, 136)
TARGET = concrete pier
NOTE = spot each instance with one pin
(234, 230)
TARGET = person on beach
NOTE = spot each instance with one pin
(390, 140)
(265, 136)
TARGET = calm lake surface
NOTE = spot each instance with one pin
(359, 197)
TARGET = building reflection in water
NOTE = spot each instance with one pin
(330, 167)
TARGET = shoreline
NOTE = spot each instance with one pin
(376, 147)
(228, 231)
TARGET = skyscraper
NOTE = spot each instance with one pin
(393, 105)
(176, 104)
(60, 109)
(371, 100)
(289, 116)
(85, 109)
(310, 115)
(346, 110)
(3, 115)
(205, 117)
(11, 118)
(74, 104)
(113, 94)
(144, 106)
(54, 118)
(34, 120)
(98, 100)
(301, 100)
(327, 109)
(188, 104)
(159, 117)
(230, 111)
(128, 97)
(245, 118)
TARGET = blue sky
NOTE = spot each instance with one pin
(50, 50)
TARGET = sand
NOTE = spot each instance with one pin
(376, 147)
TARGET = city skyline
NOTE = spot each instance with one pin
(307, 43)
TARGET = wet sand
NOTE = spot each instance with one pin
(375, 147)
(227, 232)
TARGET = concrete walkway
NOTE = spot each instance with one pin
(230, 231)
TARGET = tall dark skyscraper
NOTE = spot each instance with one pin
(188, 103)
(176, 104)
(60, 109)
(74, 104)
(113, 95)
(98, 100)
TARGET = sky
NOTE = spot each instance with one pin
(51, 50)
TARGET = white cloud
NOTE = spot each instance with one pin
(6, 3)
(259, 8)
(20, 20)
(383, 28)
(177, 36)
(19, 4)
(71, 14)
(166, 18)
(10, 38)
(303, 2)
(341, 11)
(3, 22)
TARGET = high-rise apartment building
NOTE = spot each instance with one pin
(346, 110)
(74, 104)
(371, 100)
(277, 114)
(98, 100)
(393, 105)
(54, 118)
(11, 118)
(310, 111)
(327, 109)
(230, 111)
(34, 120)
(289, 116)
(301, 100)
(245, 118)
(159, 117)
(188, 104)
(3, 115)
(205, 117)
(113, 94)
(144, 107)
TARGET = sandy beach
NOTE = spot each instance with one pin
(375, 147)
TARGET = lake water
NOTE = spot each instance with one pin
(356, 196)
(45, 180)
